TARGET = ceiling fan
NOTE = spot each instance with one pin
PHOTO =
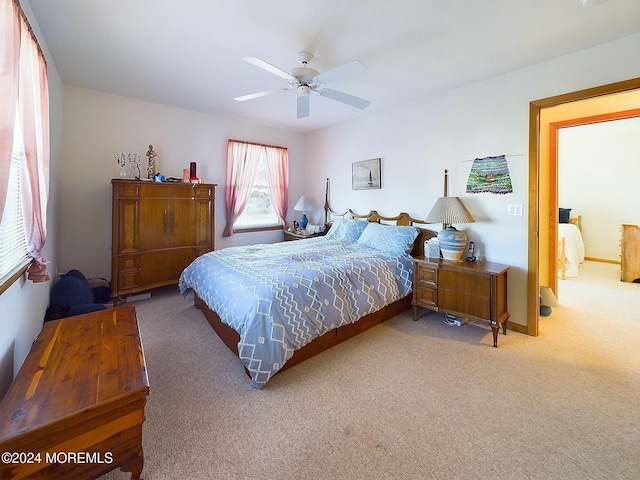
(305, 80)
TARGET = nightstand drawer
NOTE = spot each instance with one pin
(426, 274)
(425, 296)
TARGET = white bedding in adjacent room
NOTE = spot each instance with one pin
(574, 248)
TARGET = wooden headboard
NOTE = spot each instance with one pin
(577, 221)
(402, 218)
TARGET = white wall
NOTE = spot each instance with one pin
(97, 125)
(23, 305)
(419, 140)
(598, 172)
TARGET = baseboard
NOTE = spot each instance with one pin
(602, 260)
(516, 327)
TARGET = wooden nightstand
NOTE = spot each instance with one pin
(475, 291)
(290, 236)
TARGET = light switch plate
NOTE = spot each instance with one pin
(515, 210)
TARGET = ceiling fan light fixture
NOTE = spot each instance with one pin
(304, 74)
(304, 91)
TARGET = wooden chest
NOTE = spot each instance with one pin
(76, 407)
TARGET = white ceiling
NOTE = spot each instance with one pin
(188, 53)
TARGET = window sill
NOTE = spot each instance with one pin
(10, 278)
(257, 229)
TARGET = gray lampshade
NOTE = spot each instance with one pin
(449, 210)
(303, 205)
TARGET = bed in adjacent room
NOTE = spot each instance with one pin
(570, 244)
(275, 305)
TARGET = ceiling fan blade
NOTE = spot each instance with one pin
(357, 102)
(251, 96)
(303, 103)
(346, 70)
(258, 62)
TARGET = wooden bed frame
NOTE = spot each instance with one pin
(231, 338)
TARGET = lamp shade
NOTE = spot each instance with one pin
(449, 210)
(303, 205)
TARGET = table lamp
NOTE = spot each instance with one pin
(448, 210)
(303, 205)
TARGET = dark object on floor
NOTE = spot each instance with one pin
(101, 289)
(70, 296)
(545, 310)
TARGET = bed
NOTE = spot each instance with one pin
(570, 247)
(275, 305)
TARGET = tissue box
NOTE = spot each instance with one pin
(432, 248)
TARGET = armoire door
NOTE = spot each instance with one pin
(153, 224)
(181, 222)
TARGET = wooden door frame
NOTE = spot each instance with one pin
(536, 214)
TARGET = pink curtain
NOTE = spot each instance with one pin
(33, 104)
(24, 91)
(278, 178)
(242, 164)
(9, 68)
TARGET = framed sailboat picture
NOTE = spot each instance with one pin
(366, 175)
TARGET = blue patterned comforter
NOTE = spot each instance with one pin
(281, 296)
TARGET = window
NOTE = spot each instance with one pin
(13, 239)
(257, 187)
(258, 212)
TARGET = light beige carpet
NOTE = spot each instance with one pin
(406, 400)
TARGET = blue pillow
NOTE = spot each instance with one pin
(348, 229)
(564, 214)
(392, 239)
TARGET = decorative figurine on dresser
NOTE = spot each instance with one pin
(158, 229)
(151, 164)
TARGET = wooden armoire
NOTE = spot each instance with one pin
(158, 229)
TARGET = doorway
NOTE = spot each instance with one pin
(546, 116)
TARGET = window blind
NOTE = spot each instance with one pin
(13, 240)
